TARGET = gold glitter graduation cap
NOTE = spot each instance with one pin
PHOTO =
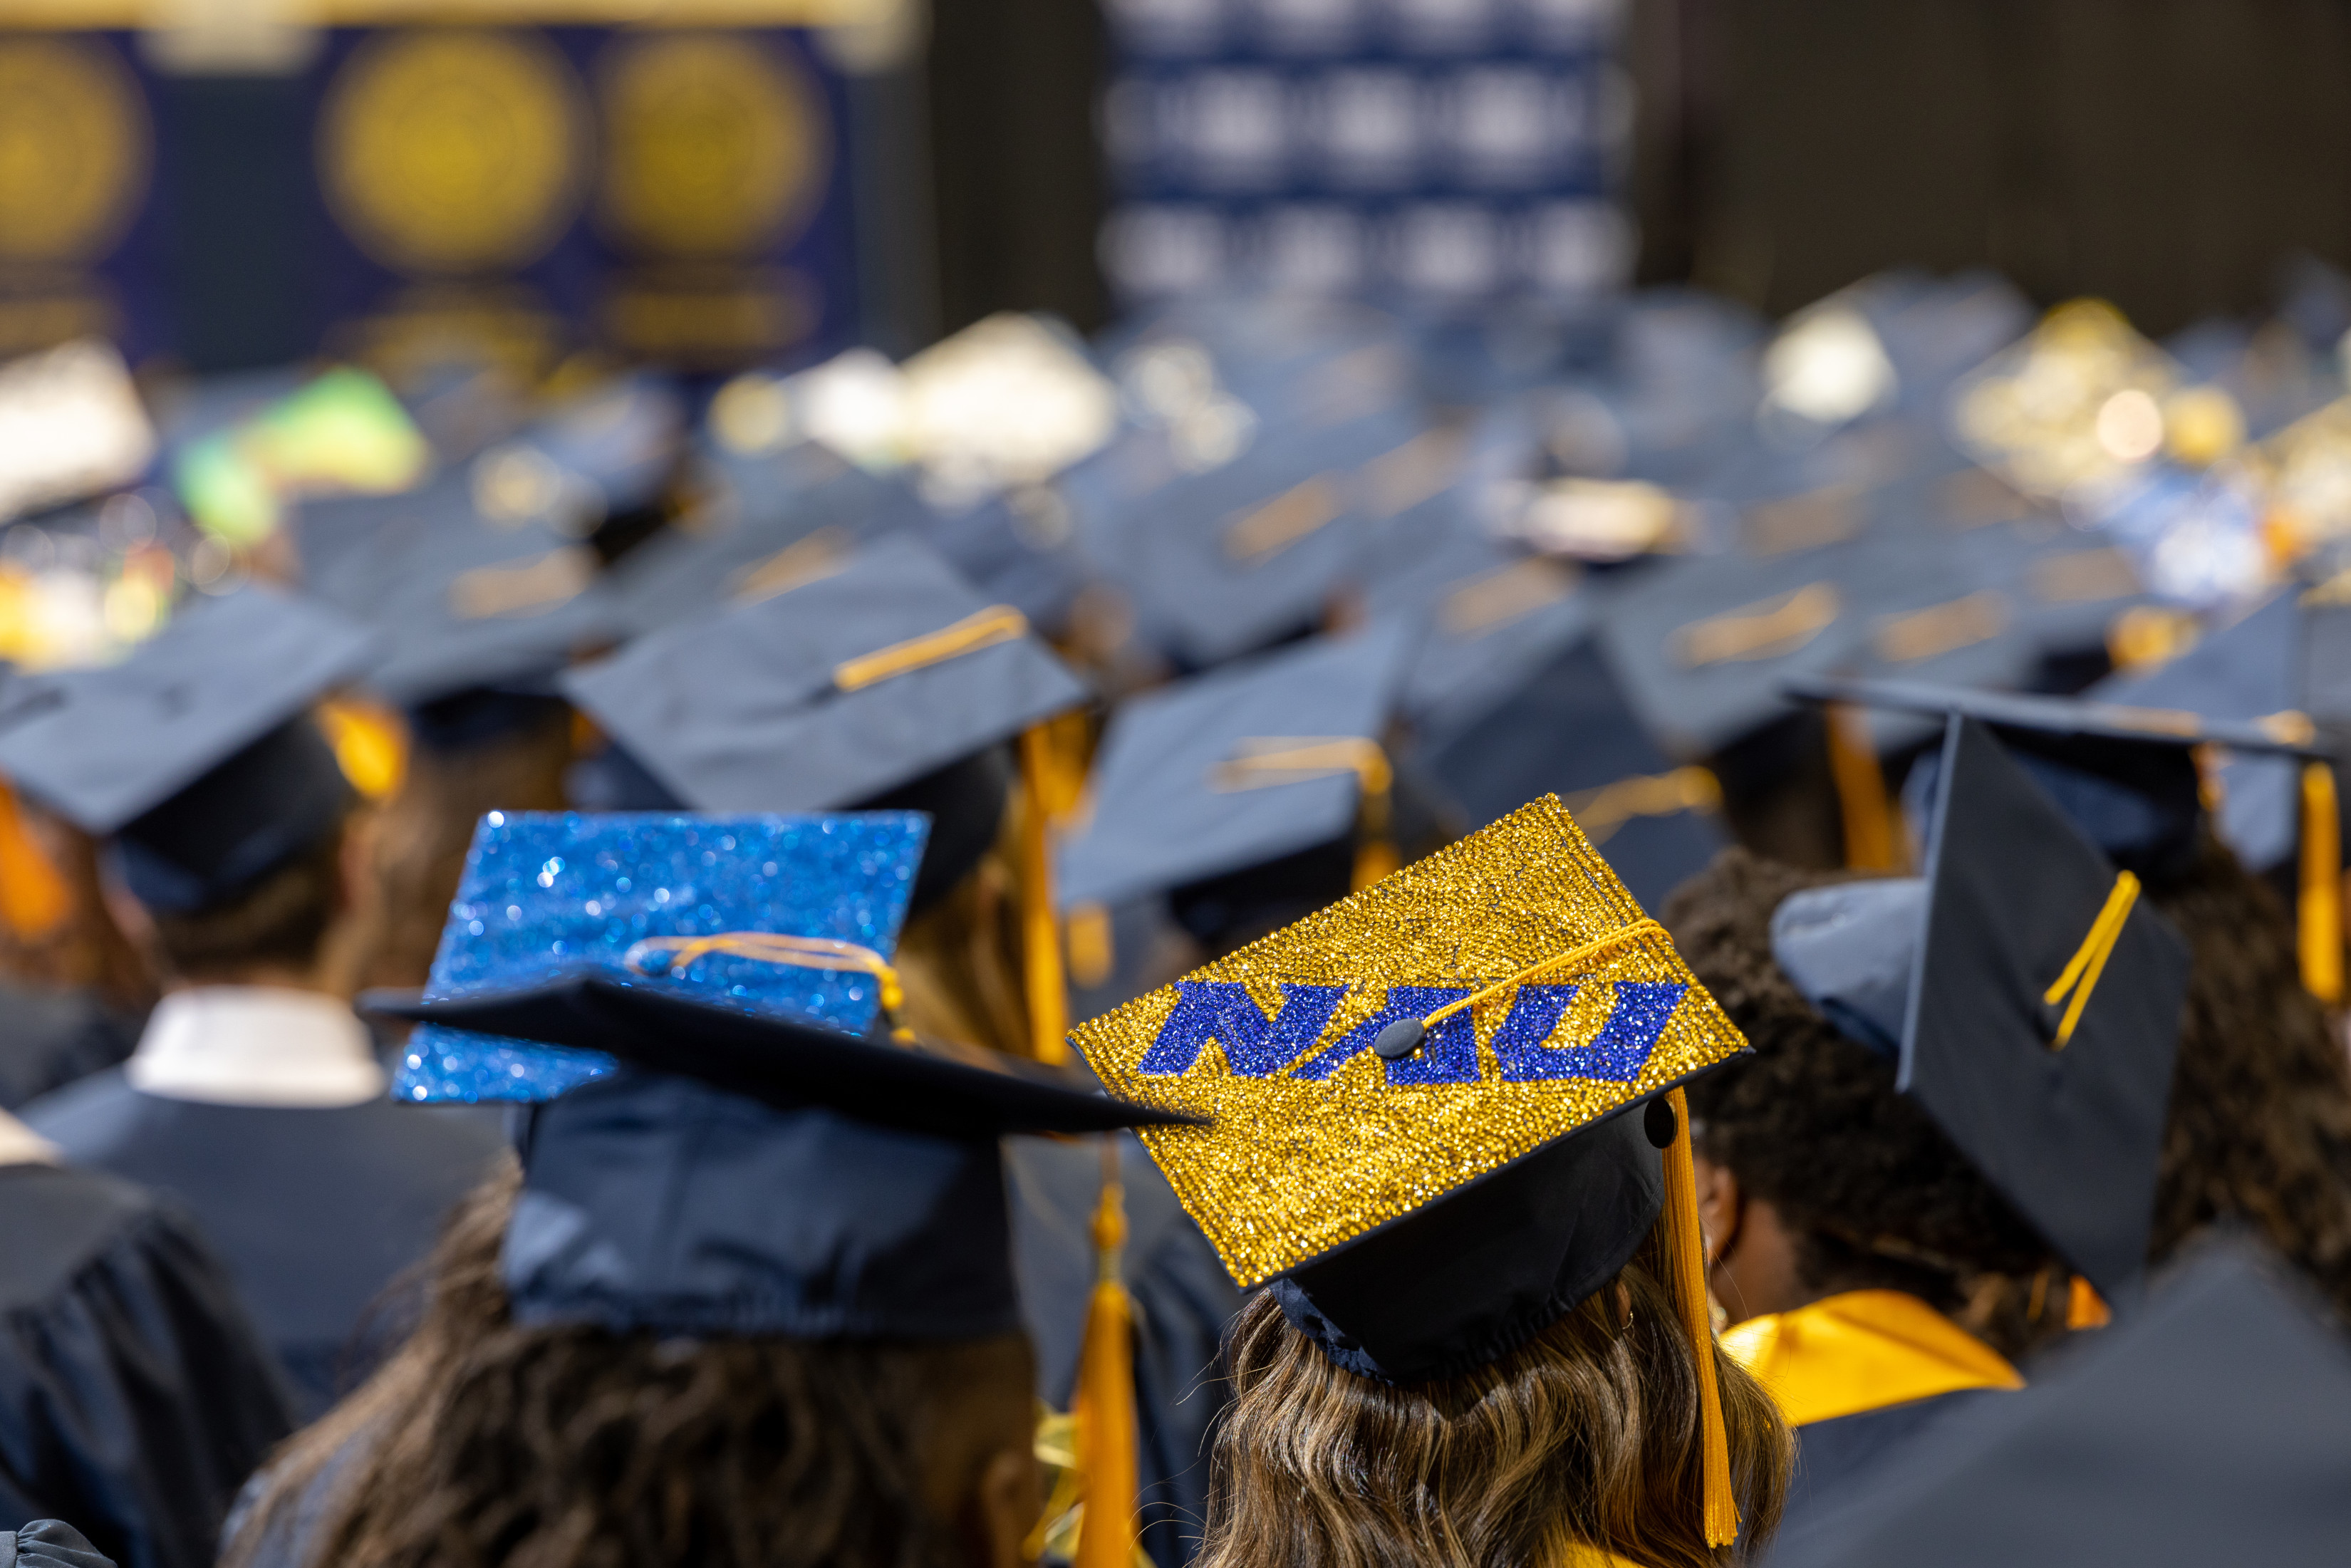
(1411, 1097)
(1577, 1005)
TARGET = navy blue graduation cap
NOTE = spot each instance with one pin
(1566, 729)
(1703, 646)
(885, 682)
(1241, 791)
(2290, 657)
(2126, 773)
(723, 1141)
(599, 457)
(2033, 999)
(195, 753)
(758, 526)
(1485, 615)
(1235, 559)
(2210, 1429)
(464, 603)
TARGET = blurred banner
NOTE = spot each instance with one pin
(675, 195)
(514, 180)
(1419, 151)
(80, 229)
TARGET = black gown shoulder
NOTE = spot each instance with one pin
(50, 1037)
(135, 1392)
(317, 1210)
(1841, 1462)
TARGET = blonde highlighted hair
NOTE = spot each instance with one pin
(1586, 1437)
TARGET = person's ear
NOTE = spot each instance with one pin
(1718, 1207)
(1011, 1491)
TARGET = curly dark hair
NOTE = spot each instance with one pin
(1878, 1197)
(484, 1443)
(2260, 1128)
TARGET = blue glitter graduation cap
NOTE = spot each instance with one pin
(550, 894)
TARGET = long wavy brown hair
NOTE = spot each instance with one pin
(484, 1443)
(1588, 1434)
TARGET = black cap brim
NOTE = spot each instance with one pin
(925, 1089)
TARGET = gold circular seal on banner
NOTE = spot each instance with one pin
(714, 144)
(74, 150)
(450, 151)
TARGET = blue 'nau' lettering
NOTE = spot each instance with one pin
(1223, 1011)
(1448, 1054)
(1617, 1053)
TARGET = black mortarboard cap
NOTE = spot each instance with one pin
(464, 603)
(1703, 647)
(2125, 774)
(2211, 1429)
(195, 753)
(1236, 558)
(607, 453)
(651, 1192)
(2034, 996)
(833, 693)
(756, 531)
(1567, 730)
(1236, 768)
(2281, 660)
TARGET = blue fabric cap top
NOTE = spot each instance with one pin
(549, 895)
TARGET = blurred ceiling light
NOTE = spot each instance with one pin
(70, 425)
(752, 415)
(514, 484)
(1008, 400)
(855, 403)
(1598, 519)
(1828, 367)
(2202, 425)
(2130, 425)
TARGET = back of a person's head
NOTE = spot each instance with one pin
(280, 922)
(1878, 1196)
(2260, 1125)
(485, 1442)
(1588, 1433)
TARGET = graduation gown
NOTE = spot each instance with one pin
(135, 1392)
(1862, 1376)
(316, 1210)
(1183, 1300)
(50, 1036)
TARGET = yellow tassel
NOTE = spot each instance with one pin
(1686, 1256)
(1104, 1405)
(1871, 842)
(1041, 935)
(2320, 917)
(1375, 850)
(1093, 946)
(32, 895)
(2085, 1308)
(370, 744)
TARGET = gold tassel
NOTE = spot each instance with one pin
(1104, 1405)
(1686, 1256)
(1093, 948)
(32, 895)
(1871, 841)
(370, 744)
(2085, 1308)
(1041, 935)
(2320, 916)
(1375, 850)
